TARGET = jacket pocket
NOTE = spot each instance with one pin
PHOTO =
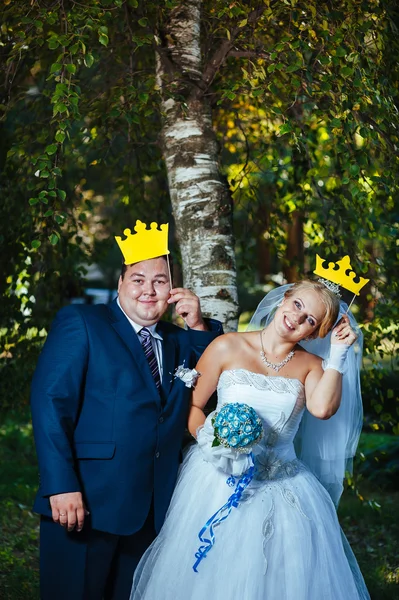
(101, 450)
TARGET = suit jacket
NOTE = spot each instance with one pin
(100, 425)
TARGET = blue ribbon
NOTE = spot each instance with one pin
(218, 517)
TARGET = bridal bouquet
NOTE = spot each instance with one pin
(237, 426)
(228, 437)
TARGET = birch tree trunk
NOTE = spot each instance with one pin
(201, 201)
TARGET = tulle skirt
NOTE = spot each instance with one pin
(282, 542)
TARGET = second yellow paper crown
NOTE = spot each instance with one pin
(342, 276)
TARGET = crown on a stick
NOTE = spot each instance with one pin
(343, 275)
(145, 243)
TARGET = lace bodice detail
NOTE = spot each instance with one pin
(279, 402)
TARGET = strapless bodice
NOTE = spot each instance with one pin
(279, 402)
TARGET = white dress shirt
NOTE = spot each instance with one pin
(156, 339)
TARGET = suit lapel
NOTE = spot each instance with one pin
(132, 342)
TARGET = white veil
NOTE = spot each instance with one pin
(326, 447)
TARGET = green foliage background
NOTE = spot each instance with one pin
(304, 108)
(304, 105)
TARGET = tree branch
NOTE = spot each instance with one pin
(225, 48)
(247, 54)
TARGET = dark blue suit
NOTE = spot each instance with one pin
(101, 426)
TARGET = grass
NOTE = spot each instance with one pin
(373, 536)
(19, 527)
(372, 532)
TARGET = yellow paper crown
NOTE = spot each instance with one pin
(145, 243)
(342, 276)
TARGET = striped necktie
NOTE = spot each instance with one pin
(146, 342)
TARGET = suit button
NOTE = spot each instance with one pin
(157, 455)
(160, 420)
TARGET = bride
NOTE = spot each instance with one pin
(278, 538)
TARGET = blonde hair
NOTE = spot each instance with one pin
(329, 299)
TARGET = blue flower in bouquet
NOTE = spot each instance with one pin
(237, 426)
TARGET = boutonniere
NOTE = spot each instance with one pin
(188, 376)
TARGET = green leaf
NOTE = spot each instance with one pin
(53, 238)
(103, 39)
(36, 244)
(55, 67)
(53, 43)
(347, 71)
(143, 22)
(243, 23)
(59, 107)
(89, 60)
(215, 443)
(292, 68)
(60, 136)
(71, 68)
(52, 149)
(354, 170)
(48, 213)
(325, 86)
(296, 82)
(286, 128)
(325, 60)
(61, 194)
(336, 122)
(33, 201)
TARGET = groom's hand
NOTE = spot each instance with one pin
(188, 307)
(68, 510)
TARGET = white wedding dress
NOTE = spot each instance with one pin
(283, 540)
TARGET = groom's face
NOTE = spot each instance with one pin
(144, 291)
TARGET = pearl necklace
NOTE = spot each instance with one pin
(275, 366)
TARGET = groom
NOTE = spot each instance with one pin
(108, 419)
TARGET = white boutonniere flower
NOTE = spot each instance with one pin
(188, 376)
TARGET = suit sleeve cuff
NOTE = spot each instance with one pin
(206, 337)
(59, 483)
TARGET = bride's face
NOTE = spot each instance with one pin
(300, 315)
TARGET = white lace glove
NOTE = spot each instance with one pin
(228, 460)
(337, 358)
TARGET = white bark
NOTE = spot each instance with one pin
(200, 198)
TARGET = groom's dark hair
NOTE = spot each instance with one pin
(124, 267)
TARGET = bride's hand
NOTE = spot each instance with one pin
(343, 334)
